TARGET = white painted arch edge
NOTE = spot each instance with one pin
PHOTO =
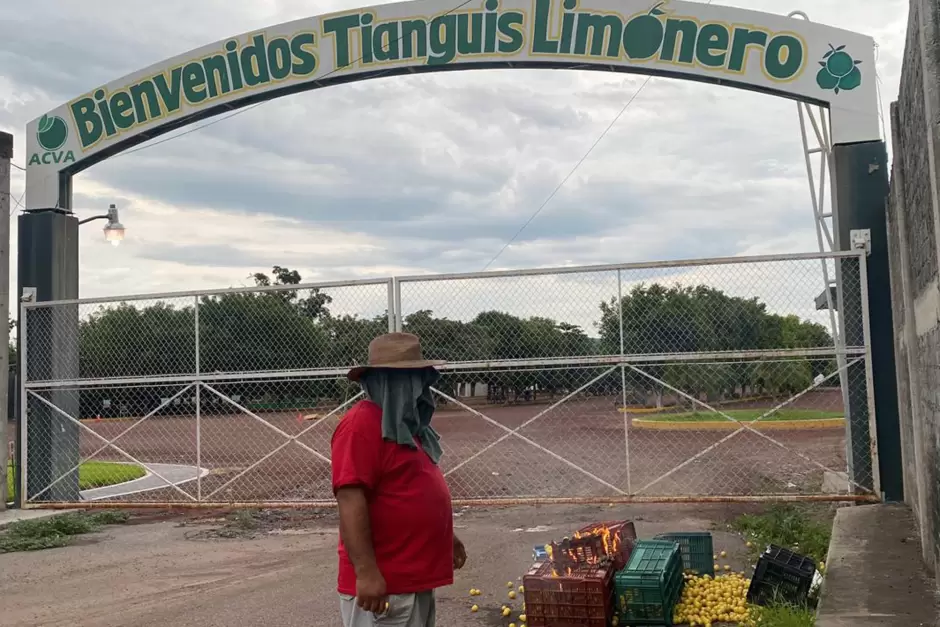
(853, 112)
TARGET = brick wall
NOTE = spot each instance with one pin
(915, 290)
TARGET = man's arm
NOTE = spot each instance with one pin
(356, 532)
(460, 553)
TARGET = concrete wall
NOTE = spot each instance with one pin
(913, 228)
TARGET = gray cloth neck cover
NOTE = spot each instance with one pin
(407, 406)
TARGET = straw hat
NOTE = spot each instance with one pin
(401, 351)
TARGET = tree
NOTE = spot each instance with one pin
(660, 320)
(314, 305)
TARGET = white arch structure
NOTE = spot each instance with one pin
(794, 58)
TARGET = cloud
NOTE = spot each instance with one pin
(416, 174)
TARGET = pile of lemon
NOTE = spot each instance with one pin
(706, 601)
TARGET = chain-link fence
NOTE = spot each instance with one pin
(696, 380)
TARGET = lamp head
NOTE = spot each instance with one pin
(113, 230)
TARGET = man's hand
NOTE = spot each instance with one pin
(460, 554)
(370, 591)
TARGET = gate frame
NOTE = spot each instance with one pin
(393, 287)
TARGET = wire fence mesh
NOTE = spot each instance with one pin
(698, 380)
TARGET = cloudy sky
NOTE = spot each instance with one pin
(407, 175)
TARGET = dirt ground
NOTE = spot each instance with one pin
(279, 569)
(584, 447)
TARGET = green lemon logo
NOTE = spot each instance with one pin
(839, 71)
(52, 132)
(643, 35)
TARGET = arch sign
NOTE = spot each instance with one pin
(789, 57)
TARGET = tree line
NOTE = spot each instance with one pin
(294, 329)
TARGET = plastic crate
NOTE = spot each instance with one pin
(581, 598)
(647, 590)
(697, 548)
(623, 537)
(781, 576)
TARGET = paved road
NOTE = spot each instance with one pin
(174, 473)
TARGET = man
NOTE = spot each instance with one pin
(397, 542)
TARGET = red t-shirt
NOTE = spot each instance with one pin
(409, 505)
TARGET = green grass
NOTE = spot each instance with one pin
(55, 531)
(747, 415)
(95, 474)
(785, 616)
(802, 529)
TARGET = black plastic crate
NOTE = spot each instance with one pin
(781, 576)
(698, 554)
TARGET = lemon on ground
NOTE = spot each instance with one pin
(474, 608)
(724, 554)
(512, 594)
(509, 584)
(522, 617)
(506, 611)
(521, 588)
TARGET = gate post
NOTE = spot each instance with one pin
(860, 185)
(48, 261)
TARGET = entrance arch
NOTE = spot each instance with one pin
(792, 58)
(778, 55)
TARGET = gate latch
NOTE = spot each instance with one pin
(861, 240)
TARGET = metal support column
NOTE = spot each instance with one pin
(48, 261)
(6, 156)
(861, 186)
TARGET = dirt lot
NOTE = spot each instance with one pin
(180, 570)
(580, 448)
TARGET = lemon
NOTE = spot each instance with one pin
(474, 608)
(522, 617)
(512, 625)
(506, 611)
(724, 554)
(512, 594)
(509, 584)
(521, 588)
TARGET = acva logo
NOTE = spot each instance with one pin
(51, 134)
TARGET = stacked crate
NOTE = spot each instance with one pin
(647, 590)
(697, 548)
(572, 583)
(580, 597)
(621, 538)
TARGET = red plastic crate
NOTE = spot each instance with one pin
(582, 597)
(623, 536)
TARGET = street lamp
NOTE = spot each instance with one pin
(47, 264)
(113, 230)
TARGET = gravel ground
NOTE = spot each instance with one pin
(278, 568)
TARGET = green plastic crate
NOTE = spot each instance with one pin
(698, 552)
(647, 590)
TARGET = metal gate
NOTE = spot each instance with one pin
(720, 379)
